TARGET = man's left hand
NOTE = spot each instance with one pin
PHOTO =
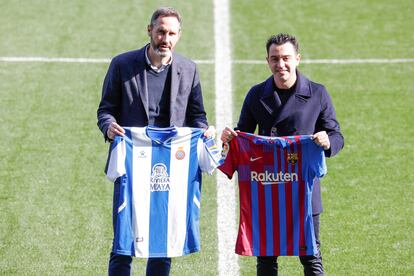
(322, 139)
(210, 132)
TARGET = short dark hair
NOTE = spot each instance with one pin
(281, 39)
(162, 12)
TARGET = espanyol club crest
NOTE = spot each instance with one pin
(180, 154)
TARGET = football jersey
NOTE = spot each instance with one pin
(160, 177)
(275, 176)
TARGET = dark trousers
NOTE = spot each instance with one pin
(121, 265)
(312, 265)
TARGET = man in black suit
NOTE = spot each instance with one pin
(285, 104)
(151, 86)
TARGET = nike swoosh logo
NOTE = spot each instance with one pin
(255, 158)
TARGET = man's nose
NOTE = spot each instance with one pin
(280, 63)
(166, 38)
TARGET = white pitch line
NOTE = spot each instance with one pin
(72, 60)
(357, 60)
(226, 197)
(336, 61)
(210, 61)
(55, 60)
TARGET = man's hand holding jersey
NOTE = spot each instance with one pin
(321, 138)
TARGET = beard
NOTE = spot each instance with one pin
(162, 52)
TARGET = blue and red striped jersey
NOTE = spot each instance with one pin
(275, 176)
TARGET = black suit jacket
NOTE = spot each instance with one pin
(308, 111)
(125, 95)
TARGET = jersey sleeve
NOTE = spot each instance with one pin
(209, 155)
(116, 164)
(316, 153)
(229, 153)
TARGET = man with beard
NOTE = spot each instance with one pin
(150, 86)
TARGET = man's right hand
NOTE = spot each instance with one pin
(113, 130)
(227, 134)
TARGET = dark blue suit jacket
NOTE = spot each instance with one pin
(308, 111)
(125, 96)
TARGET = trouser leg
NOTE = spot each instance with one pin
(266, 266)
(158, 266)
(119, 265)
(312, 265)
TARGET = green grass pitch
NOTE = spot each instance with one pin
(55, 202)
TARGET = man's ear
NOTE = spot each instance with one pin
(298, 57)
(149, 30)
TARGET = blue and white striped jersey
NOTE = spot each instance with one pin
(159, 202)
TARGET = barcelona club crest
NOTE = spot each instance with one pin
(180, 154)
(292, 158)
